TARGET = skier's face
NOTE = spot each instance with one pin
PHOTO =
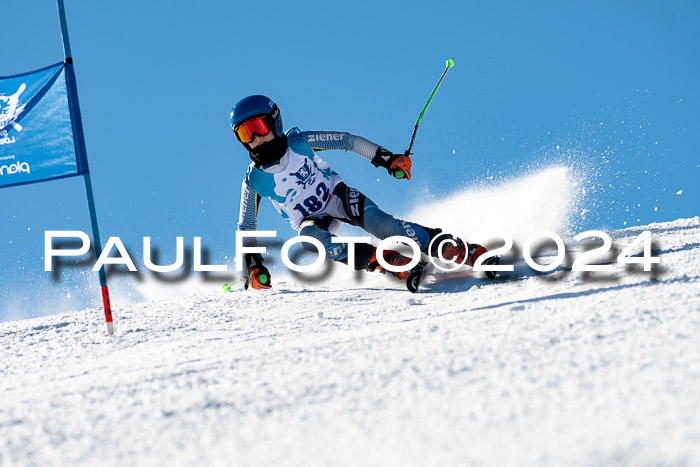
(258, 140)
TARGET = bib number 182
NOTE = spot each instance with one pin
(313, 204)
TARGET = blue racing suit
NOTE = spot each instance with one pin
(306, 191)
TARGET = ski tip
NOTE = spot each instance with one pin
(415, 277)
(490, 262)
(412, 282)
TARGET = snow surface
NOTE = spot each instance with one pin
(550, 369)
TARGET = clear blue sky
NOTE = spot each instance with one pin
(157, 80)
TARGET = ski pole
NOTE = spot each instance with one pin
(448, 64)
(229, 287)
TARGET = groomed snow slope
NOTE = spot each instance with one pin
(545, 370)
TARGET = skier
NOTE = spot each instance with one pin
(314, 199)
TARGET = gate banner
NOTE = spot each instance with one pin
(41, 134)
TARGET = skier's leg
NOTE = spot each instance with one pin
(383, 225)
(356, 209)
(364, 213)
(318, 228)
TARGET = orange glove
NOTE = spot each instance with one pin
(258, 275)
(401, 167)
(398, 165)
(259, 279)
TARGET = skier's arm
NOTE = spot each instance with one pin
(342, 141)
(258, 275)
(248, 215)
(379, 156)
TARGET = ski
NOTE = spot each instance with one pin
(493, 260)
(417, 276)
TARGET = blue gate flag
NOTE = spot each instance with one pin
(41, 135)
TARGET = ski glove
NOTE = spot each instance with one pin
(259, 279)
(398, 165)
(258, 275)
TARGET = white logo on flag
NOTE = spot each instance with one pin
(16, 168)
(9, 110)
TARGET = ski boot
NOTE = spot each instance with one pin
(393, 258)
(457, 250)
(472, 251)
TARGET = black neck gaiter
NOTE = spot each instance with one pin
(268, 152)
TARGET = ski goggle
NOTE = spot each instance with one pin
(255, 126)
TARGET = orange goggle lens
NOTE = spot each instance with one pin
(255, 126)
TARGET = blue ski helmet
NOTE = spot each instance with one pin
(253, 106)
